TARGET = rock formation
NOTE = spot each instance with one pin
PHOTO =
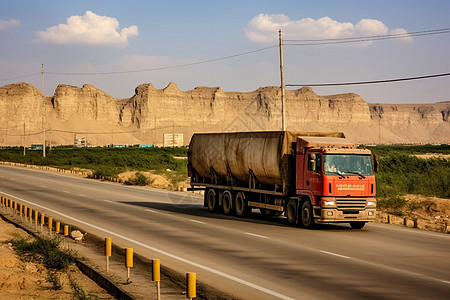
(151, 113)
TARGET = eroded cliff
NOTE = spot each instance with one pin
(150, 113)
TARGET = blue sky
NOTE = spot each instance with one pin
(103, 36)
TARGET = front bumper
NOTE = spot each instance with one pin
(334, 215)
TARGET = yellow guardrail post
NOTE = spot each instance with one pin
(15, 207)
(191, 288)
(156, 276)
(42, 222)
(36, 213)
(108, 248)
(57, 227)
(25, 213)
(50, 225)
(129, 263)
(66, 234)
(30, 215)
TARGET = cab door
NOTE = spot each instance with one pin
(313, 173)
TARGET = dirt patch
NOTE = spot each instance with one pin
(156, 181)
(429, 213)
(433, 155)
(21, 279)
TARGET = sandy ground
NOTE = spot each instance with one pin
(431, 213)
(28, 280)
(433, 155)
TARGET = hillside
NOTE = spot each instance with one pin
(148, 115)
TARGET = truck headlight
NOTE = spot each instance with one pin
(371, 203)
(328, 202)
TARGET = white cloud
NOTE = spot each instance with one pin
(403, 32)
(367, 27)
(89, 29)
(5, 24)
(263, 28)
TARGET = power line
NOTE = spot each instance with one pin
(291, 42)
(372, 82)
(86, 132)
(18, 77)
(165, 68)
(143, 70)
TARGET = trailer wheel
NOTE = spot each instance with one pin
(306, 216)
(357, 225)
(291, 212)
(211, 200)
(241, 206)
(227, 200)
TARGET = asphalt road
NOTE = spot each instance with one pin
(251, 258)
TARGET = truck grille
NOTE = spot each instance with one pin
(349, 205)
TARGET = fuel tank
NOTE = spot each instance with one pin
(266, 154)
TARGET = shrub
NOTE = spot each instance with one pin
(392, 205)
(44, 250)
(139, 179)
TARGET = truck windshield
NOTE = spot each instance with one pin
(347, 164)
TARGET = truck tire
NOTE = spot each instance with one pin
(241, 205)
(211, 200)
(357, 225)
(291, 212)
(227, 202)
(306, 215)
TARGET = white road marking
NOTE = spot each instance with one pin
(81, 195)
(195, 221)
(67, 192)
(334, 254)
(257, 235)
(107, 200)
(228, 276)
(43, 186)
(153, 211)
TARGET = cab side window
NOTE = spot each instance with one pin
(318, 163)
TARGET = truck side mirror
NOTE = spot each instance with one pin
(312, 165)
(312, 162)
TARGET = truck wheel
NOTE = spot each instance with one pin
(306, 215)
(357, 225)
(227, 200)
(291, 212)
(242, 209)
(211, 200)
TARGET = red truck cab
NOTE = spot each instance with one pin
(338, 179)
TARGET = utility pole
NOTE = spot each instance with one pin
(283, 114)
(43, 87)
(24, 151)
(43, 111)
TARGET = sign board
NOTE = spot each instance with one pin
(173, 139)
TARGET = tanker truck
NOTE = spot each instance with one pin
(309, 177)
